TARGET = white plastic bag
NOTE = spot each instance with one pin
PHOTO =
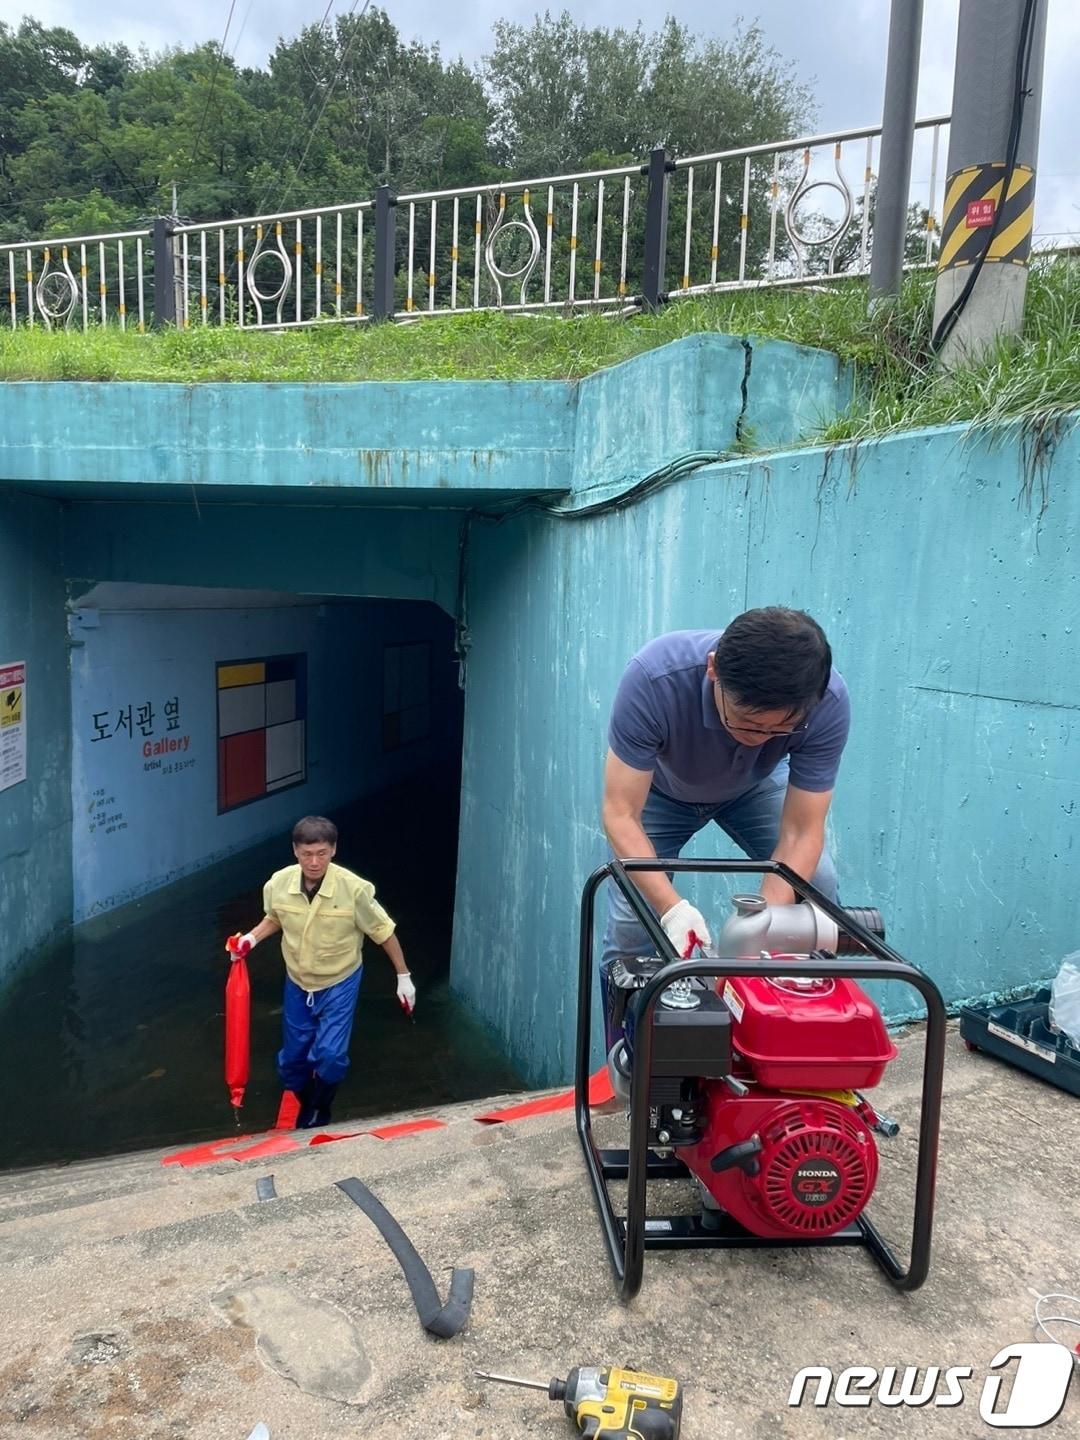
(1065, 999)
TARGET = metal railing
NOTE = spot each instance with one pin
(598, 239)
(302, 266)
(43, 287)
(811, 241)
(487, 243)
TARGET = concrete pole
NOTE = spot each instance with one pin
(897, 138)
(978, 220)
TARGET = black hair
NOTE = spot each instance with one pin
(774, 659)
(314, 830)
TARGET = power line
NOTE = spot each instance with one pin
(97, 140)
(329, 96)
(243, 27)
(263, 198)
(213, 82)
(302, 49)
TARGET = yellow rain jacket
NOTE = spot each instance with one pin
(321, 938)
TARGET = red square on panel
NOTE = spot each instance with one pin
(245, 767)
(222, 783)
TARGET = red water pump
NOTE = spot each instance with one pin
(795, 1155)
(755, 1083)
(771, 1122)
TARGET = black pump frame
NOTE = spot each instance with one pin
(627, 1237)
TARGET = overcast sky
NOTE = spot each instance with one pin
(838, 47)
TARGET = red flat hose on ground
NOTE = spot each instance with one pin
(237, 1030)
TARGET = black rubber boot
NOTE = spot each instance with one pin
(315, 1101)
(322, 1100)
(305, 1117)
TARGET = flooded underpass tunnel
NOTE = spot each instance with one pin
(201, 721)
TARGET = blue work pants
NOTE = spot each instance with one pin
(316, 1028)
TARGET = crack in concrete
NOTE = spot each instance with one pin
(741, 437)
(1005, 699)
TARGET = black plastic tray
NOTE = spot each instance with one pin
(1019, 1032)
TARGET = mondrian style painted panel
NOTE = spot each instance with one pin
(262, 728)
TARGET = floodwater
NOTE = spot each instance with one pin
(113, 1042)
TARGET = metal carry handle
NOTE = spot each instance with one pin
(625, 1243)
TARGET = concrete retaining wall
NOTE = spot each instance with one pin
(950, 591)
(944, 570)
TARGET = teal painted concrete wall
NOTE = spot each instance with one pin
(707, 392)
(35, 815)
(441, 436)
(949, 591)
(403, 554)
(952, 600)
(357, 490)
(441, 442)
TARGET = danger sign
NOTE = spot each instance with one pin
(980, 213)
(12, 723)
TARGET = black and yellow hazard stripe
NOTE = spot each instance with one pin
(963, 245)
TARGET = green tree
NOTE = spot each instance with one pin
(561, 91)
(98, 136)
(85, 215)
(35, 63)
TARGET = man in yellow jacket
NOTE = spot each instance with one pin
(323, 913)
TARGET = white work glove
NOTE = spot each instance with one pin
(238, 947)
(686, 929)
(406, 993)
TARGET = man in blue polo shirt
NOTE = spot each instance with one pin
(744, 727)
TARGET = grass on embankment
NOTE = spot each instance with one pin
(1034, 377)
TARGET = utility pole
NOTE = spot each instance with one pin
(897, 138)
(990, 191)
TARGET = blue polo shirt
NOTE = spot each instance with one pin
(665, 720)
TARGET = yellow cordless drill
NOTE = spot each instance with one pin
(612, 1404)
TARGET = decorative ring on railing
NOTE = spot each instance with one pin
(503, 227)
(265, 251)
(56, 293)
(801, 243)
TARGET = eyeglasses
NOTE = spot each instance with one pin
(755, 729)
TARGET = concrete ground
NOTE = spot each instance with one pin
(141, 1301)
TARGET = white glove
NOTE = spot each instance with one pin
(406, 993)
(240, 946)
(686, 929)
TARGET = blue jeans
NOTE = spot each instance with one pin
(752, 820)
(316, 1026)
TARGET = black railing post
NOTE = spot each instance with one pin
(382, 307)
(658, 170)
(164, 272)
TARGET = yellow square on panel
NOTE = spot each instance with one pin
(251, 674)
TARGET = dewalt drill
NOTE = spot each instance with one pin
(612, 1404)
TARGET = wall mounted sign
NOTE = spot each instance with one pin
(12, 723)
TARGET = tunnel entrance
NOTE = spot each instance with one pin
(182, 809)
